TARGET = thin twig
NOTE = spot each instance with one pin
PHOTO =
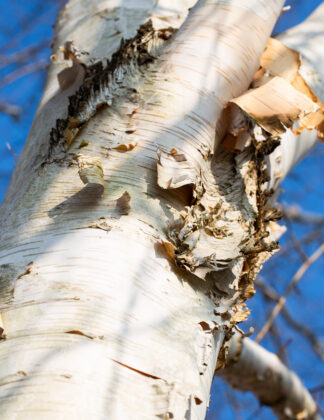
(280, 347)
(310, 237)
(317, 388)
(282, 300)
(306, 332)
(295, 240)
(24, 54)
(12, 110)
(23, 71)
(255, 413)
(296, 214)
(302, 329)
(282, 352)
(39, 18)
(16, 156)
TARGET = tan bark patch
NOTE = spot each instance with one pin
(90, 170)
(276, 105)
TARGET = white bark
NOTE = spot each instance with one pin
(306, 38)
(252, 368)
(98, 321)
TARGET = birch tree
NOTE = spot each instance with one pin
(142, 207)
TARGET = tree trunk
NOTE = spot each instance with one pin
(118, 295)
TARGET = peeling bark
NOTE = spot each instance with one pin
(134, 302)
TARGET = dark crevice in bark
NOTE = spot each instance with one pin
(103, 82)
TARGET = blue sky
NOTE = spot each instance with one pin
(26, 25)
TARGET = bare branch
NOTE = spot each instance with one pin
(310, 237)
(299, 274)
(23, 71)
(15, 155)
(23, 55)
(12, 110)
(42, 16)
(318, 388)
(296, 214)
(252, 368)
(295, 240)
(271, 294)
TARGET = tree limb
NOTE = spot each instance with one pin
(12, 110)
(297, 214)
(252, 368)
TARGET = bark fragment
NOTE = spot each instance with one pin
(276, 105)
(74, 74)
(175, 171)
(279, 60)
(90, 170)
(122, 203)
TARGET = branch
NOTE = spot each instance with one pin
(252, 368)
(271, 294)
(310, 237)
(24, 54)
(299, 274)
(12, 110)
(296, 214)
(23, 71)
(40, 17)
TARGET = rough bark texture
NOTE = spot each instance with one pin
(117, 295)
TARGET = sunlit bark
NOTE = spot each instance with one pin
(254, 369)
(117, 296)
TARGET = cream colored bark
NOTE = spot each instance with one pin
(117, 295)
(254, 369)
